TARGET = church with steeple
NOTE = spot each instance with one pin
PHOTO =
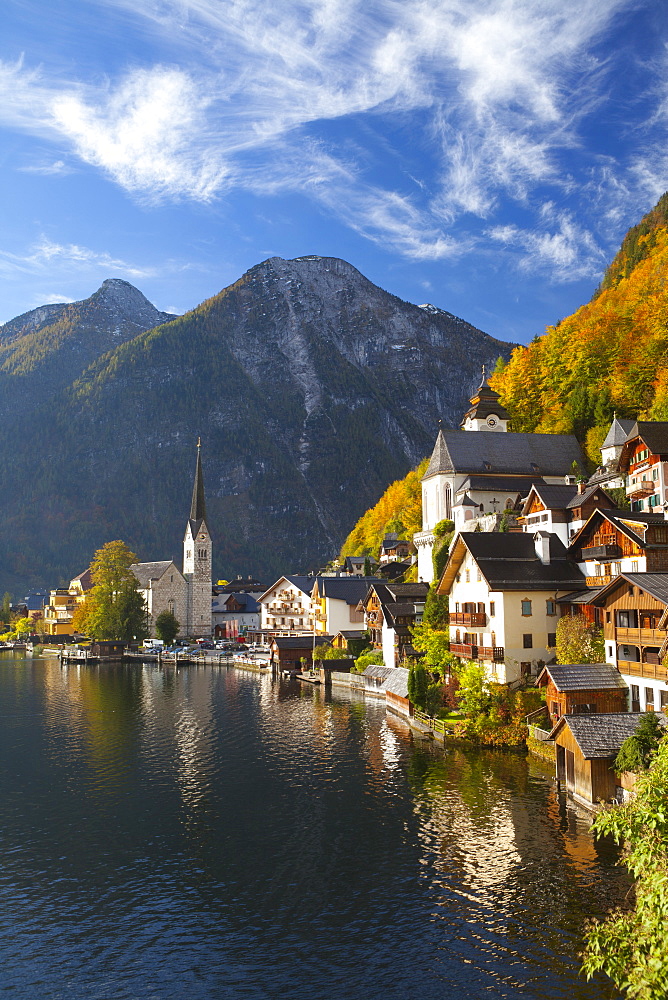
(187, 593)
(477, 471)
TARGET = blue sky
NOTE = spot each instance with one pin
(483, 155)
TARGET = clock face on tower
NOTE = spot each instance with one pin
(491, 421)
(202, 537)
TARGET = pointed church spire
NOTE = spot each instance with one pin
(198, 505)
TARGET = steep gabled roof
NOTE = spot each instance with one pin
(654, 584)
(582, 677)
(618, 433)
(397, 682)
(348, 589)
(303, 583)
(248, 604)
(654, 433)
(85, 579)
(440, 458)
(509, 561)
(418, 590)
(587, 494)
(632, 524)
(145, 572)
(601, 735)
(504, 454)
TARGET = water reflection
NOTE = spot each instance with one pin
(212, 833)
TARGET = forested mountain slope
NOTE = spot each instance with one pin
(311, 389)
(610, 355)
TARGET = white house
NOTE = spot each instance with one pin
(335, 601)
(286, 605)
(562, 509)
(503, 590)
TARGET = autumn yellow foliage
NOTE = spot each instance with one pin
(610, 355)
(399, 509)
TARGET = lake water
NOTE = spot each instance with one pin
(211, 834)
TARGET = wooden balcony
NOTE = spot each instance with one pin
(598, 581)
(465, 649)
(635, 636)
(653, 671)
(643, 488)
(609, 551)
(468, 618)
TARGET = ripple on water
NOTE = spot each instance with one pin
(213, 834)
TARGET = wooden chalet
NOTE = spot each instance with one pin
(351, 641)
(635, 619)
(612, 542)
(563, 508)
(586, 747)
(288, 652)
(390, 609)
(644, 458)
(576, 688)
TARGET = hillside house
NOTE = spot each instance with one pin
(613, 542)
(635, 619)
(504, 592)
(390, 610)
(393, 549)
(355, 565)
(644, 459)
(63, 602)
(234, 614)
(562, 509)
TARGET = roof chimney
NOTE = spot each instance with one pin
(581, 487)
(542, 542)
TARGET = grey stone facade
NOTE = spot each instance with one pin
(187, 594)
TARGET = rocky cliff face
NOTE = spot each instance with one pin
(311, 389)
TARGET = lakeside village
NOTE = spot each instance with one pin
(532, 607)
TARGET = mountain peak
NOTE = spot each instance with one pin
(126, 300)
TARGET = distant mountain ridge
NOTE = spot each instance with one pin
(311, 389)
(45, 349)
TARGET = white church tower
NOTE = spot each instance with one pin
(441, 480)
(486, 412)
(197, 558)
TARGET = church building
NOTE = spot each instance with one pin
(484, 469)
(186, 594)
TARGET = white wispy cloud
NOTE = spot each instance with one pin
(501, 87)
(45, 255)
(57, 167)
(559, 247)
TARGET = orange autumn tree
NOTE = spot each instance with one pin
(610, 355)
(399, 509)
